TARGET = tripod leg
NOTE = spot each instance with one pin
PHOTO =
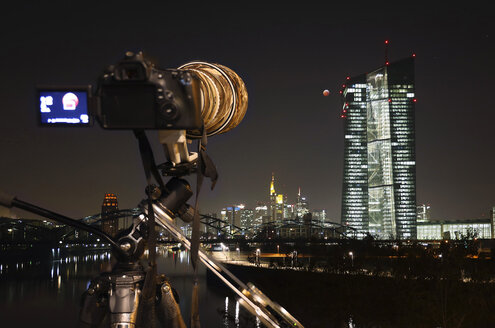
(168, 310)
(94, 305)
(195, 323)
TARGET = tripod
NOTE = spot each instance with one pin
(116, 297)
(135, 296)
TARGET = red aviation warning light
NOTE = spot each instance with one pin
(386, 53)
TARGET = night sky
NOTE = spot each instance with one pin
(287, 55)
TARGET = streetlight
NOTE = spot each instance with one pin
(278, 248)
(351, 254)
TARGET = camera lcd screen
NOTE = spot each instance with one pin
(64, 106)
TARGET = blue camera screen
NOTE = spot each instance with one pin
(64, 107)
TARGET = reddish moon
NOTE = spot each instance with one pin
(326, 92)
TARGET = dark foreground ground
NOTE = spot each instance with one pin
(339, 300)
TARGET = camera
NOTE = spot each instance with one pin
(134, 94)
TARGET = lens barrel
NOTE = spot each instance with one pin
(224, 97)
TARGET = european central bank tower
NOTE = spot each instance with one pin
(379, 183)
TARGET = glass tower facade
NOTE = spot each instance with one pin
(379, 184)
(355, 180)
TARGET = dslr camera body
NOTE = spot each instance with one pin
(135, 95)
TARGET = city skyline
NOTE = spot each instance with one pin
(287, 57)
(273, 197)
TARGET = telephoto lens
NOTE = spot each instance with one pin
(224, 97)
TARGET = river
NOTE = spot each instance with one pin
(46, 292)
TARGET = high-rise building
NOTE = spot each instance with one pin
(379, 183)
(273, 199)
(260, 211)
(233, 215)
(280, 208)
(109, 222)
(302, 206)
(319, 216)
(423, 213)
(247, 217)
(277, 203)
(289, 211)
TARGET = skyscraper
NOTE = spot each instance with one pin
(232, 215)
(379, 183)
(273, 199)
(110, 223)
(260, 211)
(277, 203)
(247, 218)
(302, 207)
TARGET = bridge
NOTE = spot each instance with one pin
(287, 228)
(214, 229)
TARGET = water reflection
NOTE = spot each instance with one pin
(51, 288)
(237, 314)
(226, 313)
